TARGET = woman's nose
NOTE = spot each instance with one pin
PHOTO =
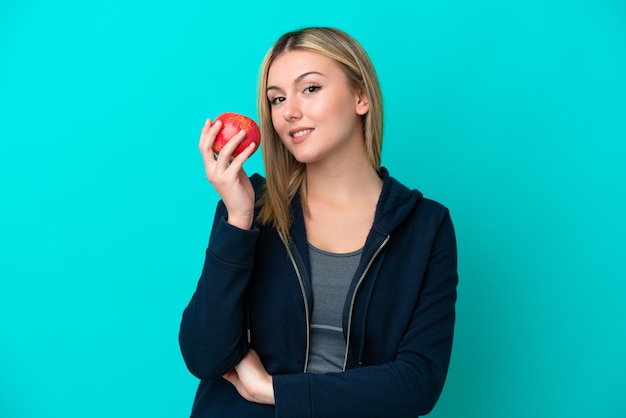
(291, 110)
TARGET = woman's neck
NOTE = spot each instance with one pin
(341, 203)
(349, 180)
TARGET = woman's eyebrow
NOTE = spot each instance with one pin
(298, 79)
(308, 73)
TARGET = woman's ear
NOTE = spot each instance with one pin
(362, 103)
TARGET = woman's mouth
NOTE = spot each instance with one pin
(300, 135)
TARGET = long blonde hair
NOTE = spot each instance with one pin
(285, 175)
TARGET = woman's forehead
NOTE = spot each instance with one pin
(290, 66)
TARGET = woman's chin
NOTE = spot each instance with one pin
(306, 157)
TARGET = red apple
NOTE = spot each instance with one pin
(232, 123)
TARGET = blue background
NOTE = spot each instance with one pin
(512, 113)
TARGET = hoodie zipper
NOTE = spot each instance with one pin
(356, 289)
(304, 298)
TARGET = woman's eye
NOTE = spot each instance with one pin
(277, 100)
(312, 88)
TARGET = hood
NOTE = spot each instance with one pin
(395, 203)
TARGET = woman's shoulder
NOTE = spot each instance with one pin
(258, 184)
(400, 201)
(257, 180)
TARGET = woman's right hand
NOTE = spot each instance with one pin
(227, 175)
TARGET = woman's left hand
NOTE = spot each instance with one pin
(251, 380)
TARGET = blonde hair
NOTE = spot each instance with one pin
(285, 175)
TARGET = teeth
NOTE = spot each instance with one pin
(300, 133)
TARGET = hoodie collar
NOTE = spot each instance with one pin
(394, 204)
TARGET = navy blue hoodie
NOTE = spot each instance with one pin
(255, 292)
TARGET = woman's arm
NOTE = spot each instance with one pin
(213, 329)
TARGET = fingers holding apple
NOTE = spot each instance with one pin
(232, 125)
(229, 127)
(232, 153)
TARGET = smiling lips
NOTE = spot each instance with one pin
(299, 135)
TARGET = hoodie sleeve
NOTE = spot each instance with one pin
(408, 386)
(213, 331)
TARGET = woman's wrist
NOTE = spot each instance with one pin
(266, 392)
(241, 222)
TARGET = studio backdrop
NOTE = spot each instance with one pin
(511, 113)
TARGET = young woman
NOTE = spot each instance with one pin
(328, 288)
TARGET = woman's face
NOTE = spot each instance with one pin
(315, 111)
